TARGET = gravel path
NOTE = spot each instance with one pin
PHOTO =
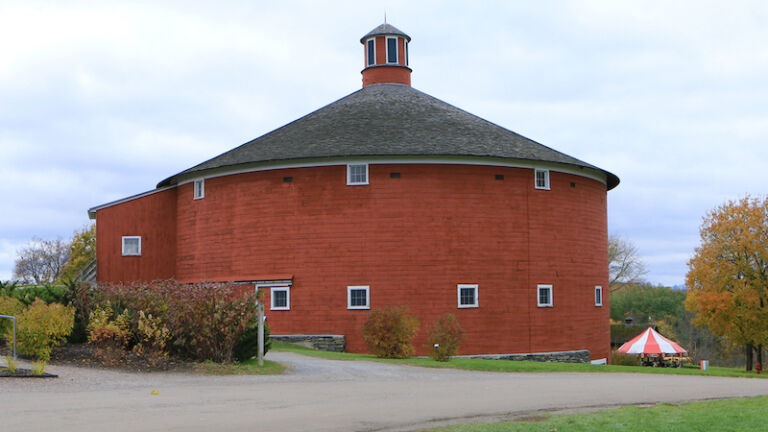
(327, 395)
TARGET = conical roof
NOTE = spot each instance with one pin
(386, 120)
(651, 342)
(385, 29)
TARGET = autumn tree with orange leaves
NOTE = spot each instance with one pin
(728, 276)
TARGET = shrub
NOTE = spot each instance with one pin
(41, 327)
(11, 307)
(389, 332)
(109, 333)
(153, 338)
(47, 293)
(78, 295)
(445, 338)
(621, 359)
(248, 345)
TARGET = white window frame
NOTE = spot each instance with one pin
(199, 189)
(598, 289)
(367, 63)
(272, 290)
(367, 289)
(536, 172)
(349, 174)
(551, 295)
(459, 287)
(124, 238)
(397, 53)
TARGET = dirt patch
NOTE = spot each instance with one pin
(532, 419)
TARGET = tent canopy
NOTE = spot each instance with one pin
(651, 342)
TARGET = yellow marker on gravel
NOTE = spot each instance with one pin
(154, 392)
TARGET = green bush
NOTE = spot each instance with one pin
(444, 338)
(153, 337)
(248, 345)
(389, 332)
(47, 293)
(621, 359)
(12, 307)
(78, 295)
(41, 327)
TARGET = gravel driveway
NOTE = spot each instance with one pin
(327, 395)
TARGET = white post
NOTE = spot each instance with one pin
(260, 317)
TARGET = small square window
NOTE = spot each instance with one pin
(598, 296)
(357, 174)
(542, 179)
(131, 246)
(544, 295)
(358, 297)
(467, 295)
(199, 189)
(391, 50)
(280, 298)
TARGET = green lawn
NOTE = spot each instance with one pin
(747, 414)
(517, 366)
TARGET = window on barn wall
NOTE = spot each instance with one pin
(280, 298)
(391, 50)
(467, 296)
(598, 296)
(131, 246)
(542, 178)
(357, 174)
(358, 297)
(199, 189)
(544, 295)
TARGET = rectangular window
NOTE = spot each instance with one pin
(391, 50)
(280, 298)
(131, 246)
(371, 44)
(357, 174)
(544, 295)
(199, 188)
(358, 297)
(598, 296)
(405, 44)
(542, 179)
(467, 296)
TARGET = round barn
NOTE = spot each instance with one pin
(387, 196)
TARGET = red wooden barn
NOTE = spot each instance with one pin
(387, 196)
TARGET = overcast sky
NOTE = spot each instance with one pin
(102, 100)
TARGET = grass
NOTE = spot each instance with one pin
(250, 367)
(518, 366)
(741, 414)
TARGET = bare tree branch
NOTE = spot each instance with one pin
(41, 261)
(624, 265)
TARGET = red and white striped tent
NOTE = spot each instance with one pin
(651, 342)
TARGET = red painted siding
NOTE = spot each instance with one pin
(153, 217)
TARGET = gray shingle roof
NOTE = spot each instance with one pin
(387, 120)
(385, 29)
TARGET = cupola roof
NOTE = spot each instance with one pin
(385, 29)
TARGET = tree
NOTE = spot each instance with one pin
(645, 303)
(82, 250)
(624, 265)
(728, 274)
(41, 261)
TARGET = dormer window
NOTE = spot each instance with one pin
(391, 50)
(371, 47)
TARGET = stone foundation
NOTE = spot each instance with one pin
(580, 356)
(335, 343)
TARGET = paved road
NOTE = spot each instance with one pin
(323, 395)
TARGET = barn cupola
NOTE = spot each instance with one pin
(386, 56)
